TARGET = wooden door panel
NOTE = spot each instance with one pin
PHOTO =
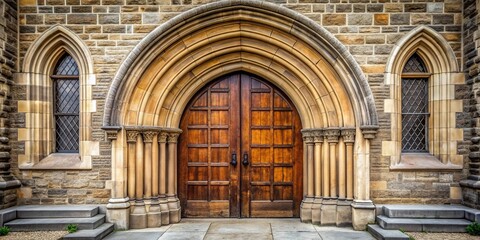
(240, 114)
(208, 185)
(268, 136)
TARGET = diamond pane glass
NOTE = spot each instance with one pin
(414, 65)
(66, 105)
(414, 114)
(67, 93)
(67, 133)
(67, 66)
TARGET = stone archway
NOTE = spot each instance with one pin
(160, 76)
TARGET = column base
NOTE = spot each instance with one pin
(363, 213)
(118, 213)
(317, 211)
(344, 213)
(174, 210)
(138, 217)
(164, 212)
(154, 216)
(306, 209)
(329, 212)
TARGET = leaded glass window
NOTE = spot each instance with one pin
(414, 106)
(66, 105)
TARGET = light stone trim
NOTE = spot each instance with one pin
(313, 37)
(38, 64)
(329, 195)
(159, 77)
(443, 135)
(150, 159)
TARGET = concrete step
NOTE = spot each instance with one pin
(95, 234)
(54, 224)
(423, 224)
(424, 211)
(56, 211)
(383, 234)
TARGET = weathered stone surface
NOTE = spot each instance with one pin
(368, 29)
(334, 19)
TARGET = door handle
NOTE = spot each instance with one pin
(245, 159)
(234, 159)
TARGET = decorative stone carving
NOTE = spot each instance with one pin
(369, 132)
(318, 135)
(172, 137)
(111, 132)
(132, 136)
(308, 136)
(162, 137)
(348, 135)
(148, 136)
(332, 134)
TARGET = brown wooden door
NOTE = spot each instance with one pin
(240, 116)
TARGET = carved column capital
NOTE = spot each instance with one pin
(348, 135)
(173, 137)
(318, 135)
(132, 136)
(111, 132)
(369, 132)
(162, 137)
(332, 134)
(148, 136)
(308, 136)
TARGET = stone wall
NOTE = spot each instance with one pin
(471, 186)
(8, 61)
(111, 28)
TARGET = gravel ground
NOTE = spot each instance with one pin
(50, 235)
(442, 236)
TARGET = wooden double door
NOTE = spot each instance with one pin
(240, 154)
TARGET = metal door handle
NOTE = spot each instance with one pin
(245, 159)
(234, 159)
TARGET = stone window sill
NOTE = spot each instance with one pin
(423, 161)
(58, 161)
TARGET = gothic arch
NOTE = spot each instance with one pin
(445, 73)
(314, 46)
(430, 45)
(38, 64)
(164, 71)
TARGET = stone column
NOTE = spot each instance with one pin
(349, 139)
(326, 170)
(306, 206)
(317, 204)
(329, 206)
(344, 209)
(138, 217)
(173, 202)
(162, 181)
(131, 144)
(118, 207)
(363, 210)
(151, 170)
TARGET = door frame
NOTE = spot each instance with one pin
(240, 195)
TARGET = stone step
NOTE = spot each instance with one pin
(423, 224)
(54, 224)
(56, 211)
(384, 234)
(94, 234)
(424, 211)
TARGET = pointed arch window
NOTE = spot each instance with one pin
(66, 105)
(415, 110)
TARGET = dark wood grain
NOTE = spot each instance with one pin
(240, 114)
